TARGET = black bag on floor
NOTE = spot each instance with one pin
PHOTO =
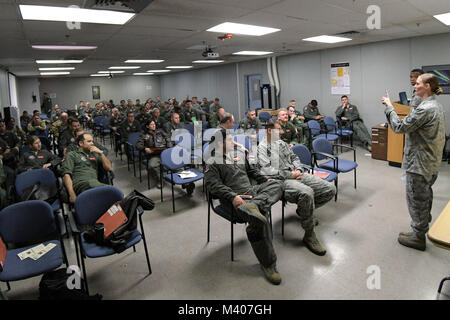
(53, 286)
(118, 239)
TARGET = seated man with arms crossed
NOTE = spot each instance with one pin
(80, 168)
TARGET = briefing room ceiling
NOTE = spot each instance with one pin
(175, 31)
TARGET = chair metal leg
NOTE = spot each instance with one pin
(75, 240)
(84, 269)
(145, 246)
(355, 176)
(173, 195)
(336, 185)
(8, 285)
(442, 283)
(134, 248)
(161, 177)
(282, 217)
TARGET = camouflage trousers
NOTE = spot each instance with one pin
(360, 130)
(308, 193)
(419, 197)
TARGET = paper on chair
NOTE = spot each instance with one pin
(186, 174)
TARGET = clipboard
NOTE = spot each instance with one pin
(112, 219)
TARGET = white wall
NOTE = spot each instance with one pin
(69, 91)
(26, 87)
(4, 90)
(374, 68)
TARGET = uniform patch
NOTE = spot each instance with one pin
(236, 159)
(92, 158)
(40, 157)
(288, 130)
(72, 139)
(249, 126)
(83, 158)
(31, 157)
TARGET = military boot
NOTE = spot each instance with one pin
(412, 240)
(310, 240)
(252, 213)
(271, 273)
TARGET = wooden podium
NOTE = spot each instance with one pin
(396, 142)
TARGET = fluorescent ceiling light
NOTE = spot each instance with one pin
(179, 67)
(56, 69)
(108, 72)
(144, 61)
(99, 75)
(134, 67)
(142, 73)
(444, 18)
(48, 47)
(207, 61)
(158, 71)
(252, 53)
(58, 61)
(239, 28)
(327, 39)
(46, 13)
(54, 73)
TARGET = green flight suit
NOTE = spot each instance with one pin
(83, 169)
(290, 135)
(126, 128)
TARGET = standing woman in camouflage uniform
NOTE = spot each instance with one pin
(424, 131)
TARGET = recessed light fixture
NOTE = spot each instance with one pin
(47, 13)
(108, 72)
(130, 67)
(142, 73)
(144, 61)
(49, 47)
(444, 18)
(99, 75)
(245, 29)
(207, 61)
(156, 71)
(179, 67)
(56, 69)
(58, 61)
(54, 73)
(252, 53)
(327, 39)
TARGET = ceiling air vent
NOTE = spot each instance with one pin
(134, 6)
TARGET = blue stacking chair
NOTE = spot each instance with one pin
(29, 222)
(132, 152)
(45, 177)
(344, 133)
(303, 153)
(189, 127)
(168, 164)
(104, 129)
(323, 149)
(264, 116)
(208, 133)
(90, 205)
(317, 132)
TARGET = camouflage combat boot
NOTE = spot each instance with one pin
(271, 273)
(311, 242)
(412, 240)
(252, 213)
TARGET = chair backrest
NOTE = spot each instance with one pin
(208, 133)
(183, 139)
(104, 122)
(302, 152)
(242, 139)
(93, 203)
(175, 158)
(189, 127)
(330, 124)
(43, 116)
(27, 148)
(26, 221)
(322, 145)
(28, 178)
(133, 138)
(314, 126)
(264, 116)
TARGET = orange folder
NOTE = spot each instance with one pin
(113, 219)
